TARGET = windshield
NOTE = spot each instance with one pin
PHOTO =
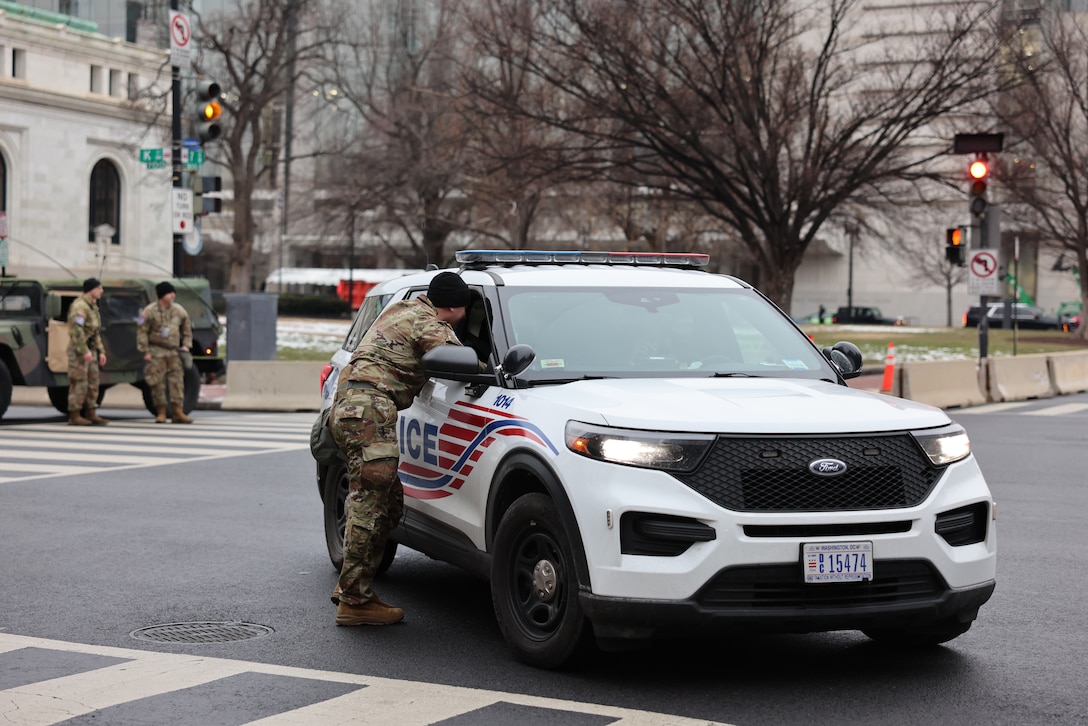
(629, 333)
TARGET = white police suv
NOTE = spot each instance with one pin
(661, 451)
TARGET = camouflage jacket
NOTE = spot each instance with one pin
(84, 324)
(160, 330)
(390, 354)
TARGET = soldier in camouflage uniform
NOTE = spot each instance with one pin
(164, 329)
(384, 375)
(85, 356)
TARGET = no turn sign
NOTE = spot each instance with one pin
(181, 33)
(983, 279)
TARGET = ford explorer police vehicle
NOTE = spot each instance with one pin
(659, 450)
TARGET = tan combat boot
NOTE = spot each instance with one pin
(160, 414)
(74, 419)
(178, 416)
(95, 419)
(372, 612)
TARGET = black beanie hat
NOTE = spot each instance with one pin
(91, 283)
(163, 289)
(448, 290)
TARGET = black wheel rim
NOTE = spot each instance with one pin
(537, 562)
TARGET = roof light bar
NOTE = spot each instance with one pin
(542, 257)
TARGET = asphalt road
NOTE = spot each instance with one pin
(90, 557)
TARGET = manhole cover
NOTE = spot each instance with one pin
(201, 632)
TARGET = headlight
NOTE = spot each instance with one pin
(945, 445)
(648, 449)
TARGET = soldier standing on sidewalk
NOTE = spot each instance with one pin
(85, 356)
(164, 329)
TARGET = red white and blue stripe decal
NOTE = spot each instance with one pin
(435, 460)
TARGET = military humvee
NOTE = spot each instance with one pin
(34, 335)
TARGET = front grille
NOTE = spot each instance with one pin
(771, 474)
(783, 586)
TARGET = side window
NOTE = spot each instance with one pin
(105, 206)
(368, 313)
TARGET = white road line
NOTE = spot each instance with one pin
(254, 440)
(991, 408)
(1061, 410)
(378, 701)
(8, 455)
(164, 436)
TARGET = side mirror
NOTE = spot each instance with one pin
(845, 357)
(517, 359)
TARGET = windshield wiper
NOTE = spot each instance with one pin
(734, 374)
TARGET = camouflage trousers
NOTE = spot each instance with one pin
(364, 426)
(164, 374)
(82, 383)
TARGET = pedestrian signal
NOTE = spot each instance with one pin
(955, 250)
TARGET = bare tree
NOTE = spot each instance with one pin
(256, 51)
(766, 114)
(1045, 171)
(401, 165)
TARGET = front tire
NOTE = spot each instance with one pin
(534, 588)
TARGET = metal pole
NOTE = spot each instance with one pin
(175, 149)
(288, 122)
(853, 233)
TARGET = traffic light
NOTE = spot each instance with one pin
(955, 251)
(208, 126)
(978, 173)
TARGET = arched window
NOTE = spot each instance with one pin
(105, 199)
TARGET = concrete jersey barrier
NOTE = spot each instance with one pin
(1069, 372)
(1020, 377)
(943, 383)
(272, 386)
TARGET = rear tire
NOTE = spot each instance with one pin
(58, 396)
(6, 387)
(334, 496)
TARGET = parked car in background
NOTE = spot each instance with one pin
(863, 315)
(1023, 316)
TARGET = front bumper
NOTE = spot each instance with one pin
(773, 598)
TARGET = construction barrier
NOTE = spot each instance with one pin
(1016, 378)
(1068, 372)
(263, 385)
(943, 383)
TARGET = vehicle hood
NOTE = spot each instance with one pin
(741, 405)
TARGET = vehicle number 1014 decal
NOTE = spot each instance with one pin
(837, 561)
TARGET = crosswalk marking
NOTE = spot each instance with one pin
(143, 679)
(42, 450)
(1060, 410)
(993, 407)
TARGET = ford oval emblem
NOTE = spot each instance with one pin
(827, 467)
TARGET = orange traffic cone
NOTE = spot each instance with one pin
(889, 370)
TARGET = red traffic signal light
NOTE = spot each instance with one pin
(978, 172)
(954, 237)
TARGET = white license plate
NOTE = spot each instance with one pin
(837, 561)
